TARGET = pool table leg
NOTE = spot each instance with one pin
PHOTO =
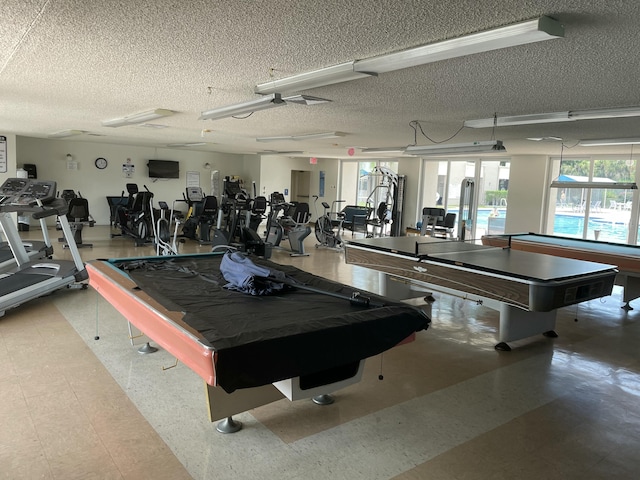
(222, 405)
(631, 289)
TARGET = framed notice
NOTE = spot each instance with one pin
(193, 179)
(3, 154)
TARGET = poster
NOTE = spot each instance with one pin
(3, 154)
(193, 179)
(321, 185)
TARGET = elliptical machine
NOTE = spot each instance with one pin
(238, 219)
(165, 242)
(134, 219)
(293, 224)
(193, 197)
(275, 230)
(207, 219)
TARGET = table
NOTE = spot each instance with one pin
(240, 344)
(526, 288)
(625, 257)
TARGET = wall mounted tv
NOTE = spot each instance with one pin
(164, 169)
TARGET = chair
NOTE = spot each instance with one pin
(430, 218)
(354, 218)
(79, 216)
(444, 229)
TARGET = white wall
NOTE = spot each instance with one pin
(271, 173)
(275, 176)
(49, 156)
(527, 193)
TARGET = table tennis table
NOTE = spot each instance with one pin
(526, 288)
(625, 257)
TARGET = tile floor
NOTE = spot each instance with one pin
(449, 407)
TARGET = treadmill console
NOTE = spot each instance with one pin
(13, 186)
(26, 192)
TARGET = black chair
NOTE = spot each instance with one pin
(444, 229)
(79, 216)
(431, 217)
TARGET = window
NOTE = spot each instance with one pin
(359, 181)
(442, 182)
(603, 214)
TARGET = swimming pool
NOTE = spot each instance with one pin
(570, 226)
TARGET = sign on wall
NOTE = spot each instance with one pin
(3, 154)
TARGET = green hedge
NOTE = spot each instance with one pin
(493, 197)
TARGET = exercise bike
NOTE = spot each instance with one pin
(327, 230)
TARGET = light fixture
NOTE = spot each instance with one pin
(66, 133)
(305, 100)
(489, 146)
(616, 112)
(262, 103)
(283, 152)
(519, 120)
(396, 150)
(609, 141)
(553, 117)
(180, 145)
(136, 118)
(299, 138)
(545, 139)
(342, 72)
(537, 30)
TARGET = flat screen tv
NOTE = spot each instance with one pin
(164, 169)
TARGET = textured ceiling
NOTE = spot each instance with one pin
(71, 64)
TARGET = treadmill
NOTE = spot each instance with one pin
(39, 277)
(35, 250)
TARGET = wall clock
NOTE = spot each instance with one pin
(101, 163)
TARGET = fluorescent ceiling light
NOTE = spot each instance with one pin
(519, 120)
(545, 139)
(274, 152)
(245, 108)
(298, 138)
(571, 116)
(596, 185)
(384, 150)
(619, 112)
(305, 100)
(178, 145)
(138, 118)
(317, 136)
(609, 141)
(314, 79)
(540, 29)
(152, 125)
(66, 133)
(456, 148)
(543, 28)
